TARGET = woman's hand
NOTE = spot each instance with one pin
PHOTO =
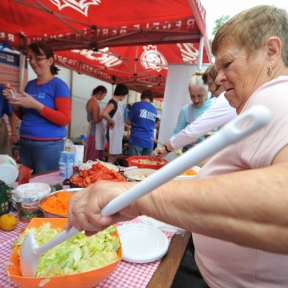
(111, 124)
(84, 211)
(7, 91)
(26, 101)
(13, 139)
(159, 153)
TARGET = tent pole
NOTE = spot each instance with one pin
(71, 85)
(201, 49)
(22, 59)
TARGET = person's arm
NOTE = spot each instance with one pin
(62, 115)
(128, 121)
(218, 114)
(13, 121)
(182, 122)
(232, 207)
(15, 107)
(105, 114)
(127, 126)
(97, 117)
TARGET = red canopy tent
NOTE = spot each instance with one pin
(116, 41)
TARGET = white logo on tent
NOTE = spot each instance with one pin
(152, 58)
(103, 56)
(188, 52)
(80, 5)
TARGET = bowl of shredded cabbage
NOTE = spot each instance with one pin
(80, 261)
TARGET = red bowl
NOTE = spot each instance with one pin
(146, 162)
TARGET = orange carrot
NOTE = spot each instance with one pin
(190, 172)
(57, 203)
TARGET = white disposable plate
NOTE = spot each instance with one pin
(8, 173)
(188, 177)
(142, 243)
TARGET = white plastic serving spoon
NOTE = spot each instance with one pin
(238, 128)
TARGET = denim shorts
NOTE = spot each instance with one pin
(135, 150)
(40, 155)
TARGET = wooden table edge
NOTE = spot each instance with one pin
(166, 271)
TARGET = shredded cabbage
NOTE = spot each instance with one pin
(77, 254)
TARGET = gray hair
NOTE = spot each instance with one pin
(197, 80)
(251, 28)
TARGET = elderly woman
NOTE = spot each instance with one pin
(198, 91)
(218, 114)
(240, 196)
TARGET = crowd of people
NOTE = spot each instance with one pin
(236, 208)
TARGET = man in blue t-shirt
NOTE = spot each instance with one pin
(142, 118)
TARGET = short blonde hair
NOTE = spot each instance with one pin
(196, 79)
(251, 28)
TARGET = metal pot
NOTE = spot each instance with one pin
(51, 215)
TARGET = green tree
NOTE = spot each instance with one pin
(218, 23)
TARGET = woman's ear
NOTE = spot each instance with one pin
(274, 49)
(51, 61)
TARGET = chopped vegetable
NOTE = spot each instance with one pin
(57, 203)
(148, 161)
(78, 254)
(94, 174)
(189, 172)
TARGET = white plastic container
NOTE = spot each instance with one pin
(79, 154)
(27, 197)
(8, 169)
(66, 164)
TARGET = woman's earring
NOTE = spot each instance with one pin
(269, 70)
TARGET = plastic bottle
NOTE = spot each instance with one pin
(67, 145)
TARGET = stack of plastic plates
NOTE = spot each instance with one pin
(142, 243)
(8, 169)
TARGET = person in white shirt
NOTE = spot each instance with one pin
(218, 114)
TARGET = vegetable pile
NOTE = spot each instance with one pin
(56, 203)
(189, 172)
(94, 174)
(76, 255)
